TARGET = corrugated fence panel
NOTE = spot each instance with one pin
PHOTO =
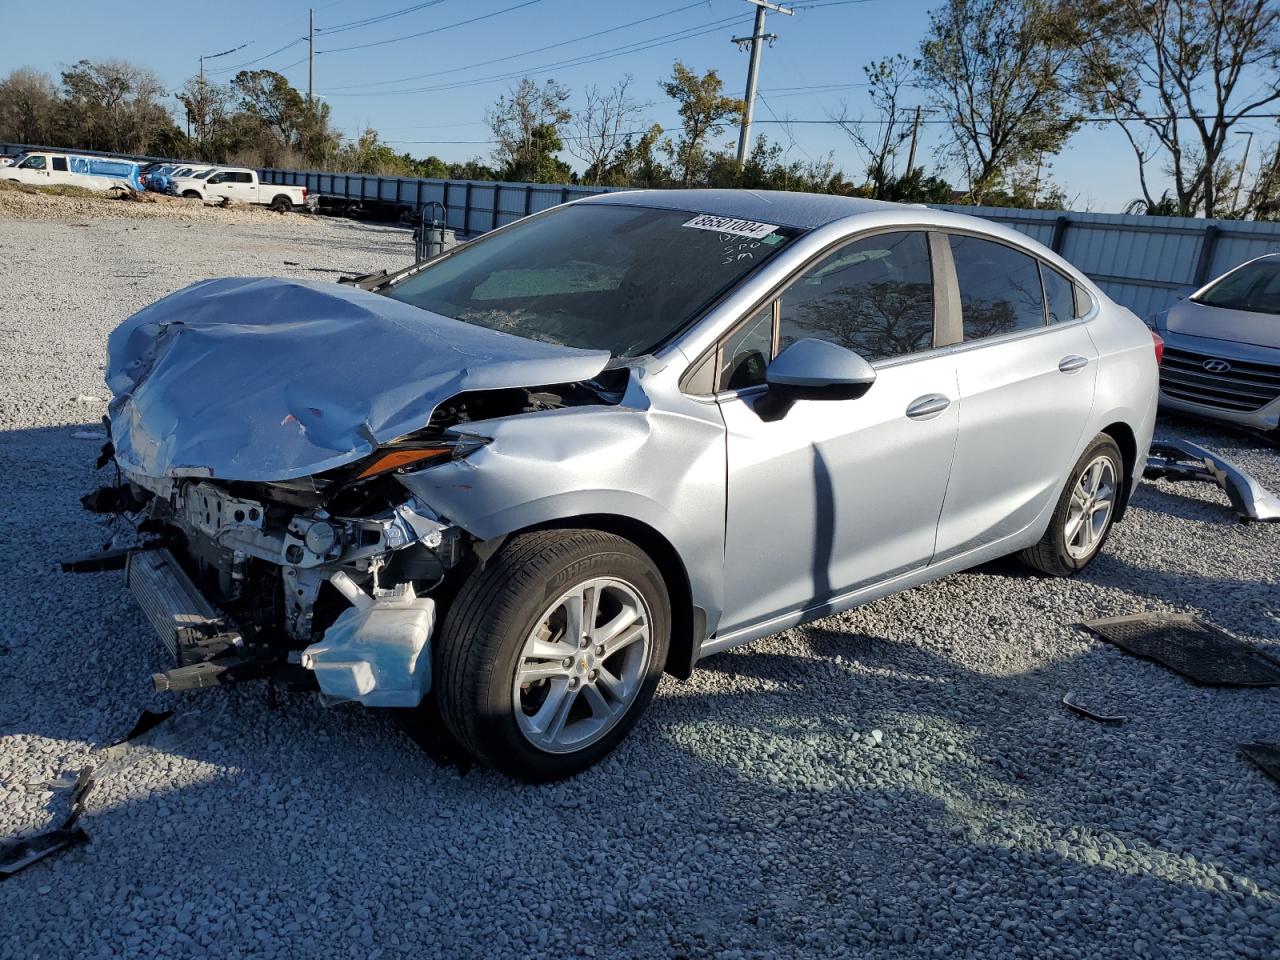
(1141, 262)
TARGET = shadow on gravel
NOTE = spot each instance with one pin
(753, 808)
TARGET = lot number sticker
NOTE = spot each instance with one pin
(732, 226)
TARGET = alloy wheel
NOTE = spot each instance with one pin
(582, 665)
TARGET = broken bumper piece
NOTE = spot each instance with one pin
(1181, 460)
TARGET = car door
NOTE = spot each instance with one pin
(221, 185)
(829, 495)
(1026, 391)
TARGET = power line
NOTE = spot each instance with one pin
(423, 33)
(370, 21)
(265, 56)
(686, 34)
(1239, 116)
(525, 53)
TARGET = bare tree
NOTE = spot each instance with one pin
(1177, 76)
(28, 107)
(881, 139)
(525, 123)
(601, 129)
(1002, 73)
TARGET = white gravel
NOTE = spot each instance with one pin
(898, 781)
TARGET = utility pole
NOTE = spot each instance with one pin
(756, 40)
(1235, 202)
(915, 136)
(209, 56)
(311, 58)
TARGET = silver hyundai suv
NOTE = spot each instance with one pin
(512, 485)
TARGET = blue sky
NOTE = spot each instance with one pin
(823, 48)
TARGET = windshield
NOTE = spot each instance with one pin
(596, 276)
(202, 174)
(1255, 287)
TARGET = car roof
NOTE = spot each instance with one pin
(804, 211)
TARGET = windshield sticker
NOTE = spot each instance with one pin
(732, 226)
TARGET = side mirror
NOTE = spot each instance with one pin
(819, 370)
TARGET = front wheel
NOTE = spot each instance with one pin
(1085, 512)
(552, 652)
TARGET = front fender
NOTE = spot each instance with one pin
(664, 470)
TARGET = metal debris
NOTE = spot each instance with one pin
(1069, 702)
(17, 855)
(1181, 460)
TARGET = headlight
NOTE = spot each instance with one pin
(403, 456)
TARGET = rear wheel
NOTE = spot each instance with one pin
(1085, 512)
(282, 204)
(551, 653)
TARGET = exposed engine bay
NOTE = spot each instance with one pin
(331, 580)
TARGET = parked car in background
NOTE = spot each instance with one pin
(608, 440)
(6, 161)
(241, 184)
(50, 168)
(1222, 347)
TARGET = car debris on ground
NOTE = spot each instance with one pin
(1184, 461)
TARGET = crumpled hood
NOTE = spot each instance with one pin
(1239, 326)
(264, 379)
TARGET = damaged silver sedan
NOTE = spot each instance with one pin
(513, 485)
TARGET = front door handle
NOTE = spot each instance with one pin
(927, 407)
(1072, 363)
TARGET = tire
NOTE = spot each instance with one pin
(192, 195)
(489, 632)
(1067, 547)
(282, 204)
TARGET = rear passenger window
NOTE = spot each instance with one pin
(873, 296)
(60, 163)
(1000, 288)
(1058, 295)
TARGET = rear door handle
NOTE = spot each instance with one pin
(1072, 363)
(927, 407)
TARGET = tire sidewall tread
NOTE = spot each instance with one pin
(485, 631)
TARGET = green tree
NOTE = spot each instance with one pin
(525, 122)
(115, 105)
(1003, 73)
(704, 110)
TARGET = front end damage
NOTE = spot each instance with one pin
(276, 536)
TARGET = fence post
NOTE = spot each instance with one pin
(528, 198)
(1059, 233)
(497, 193)
(564, 195)
(1205, 262)
(466, 210)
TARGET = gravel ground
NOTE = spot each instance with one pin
(898, 781)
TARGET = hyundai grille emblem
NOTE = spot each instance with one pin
(1216, 366)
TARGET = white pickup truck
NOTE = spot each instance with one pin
(241, 184)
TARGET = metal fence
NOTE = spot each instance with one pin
(474, 206)
(1141, 262)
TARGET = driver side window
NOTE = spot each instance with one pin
(873, 296)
